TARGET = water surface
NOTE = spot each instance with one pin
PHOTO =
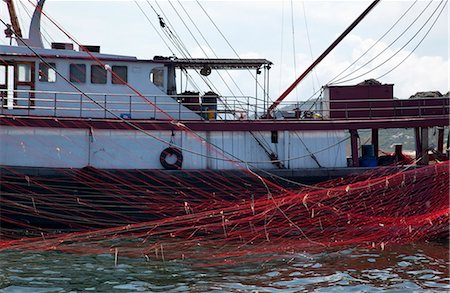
(422, 267)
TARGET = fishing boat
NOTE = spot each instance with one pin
(119, 112)
(72, 108)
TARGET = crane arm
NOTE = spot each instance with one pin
(14, 20)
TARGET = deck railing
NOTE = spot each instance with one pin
(100, 105)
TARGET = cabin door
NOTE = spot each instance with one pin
(17, 85)
(24, 86)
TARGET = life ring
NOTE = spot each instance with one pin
(171, 151)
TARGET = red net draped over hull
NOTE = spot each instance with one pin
(240, 217)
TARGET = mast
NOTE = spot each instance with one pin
(320, 58)
(14, 20)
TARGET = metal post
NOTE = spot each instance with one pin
(424, 138)
(130, 106)
(398, 152)
(418, 142)
(154, 108)
(54, 105)
(264, 92)
(256, 92)
(354, 146)
(81, 106)
(440, 142)
(375, 141)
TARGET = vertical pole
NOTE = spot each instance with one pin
(264, 92)
(54, 105)
(418, 142)
(398, 152)
(130, 108)
(375, 142)
(354, 145)
(256, 93)
(440, 142)
(424, 138)
(81, 106)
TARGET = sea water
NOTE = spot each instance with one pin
(419, 267)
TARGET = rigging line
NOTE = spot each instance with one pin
(240, 103)
(374, 44)
(228, 43)
(153, 26)
(167, 20)
(388, 46)
(200, 46)
(268, 152)
(310, 46)
(399, 50)
(47, 36)
(180, 126)
(293, 46)
(176, 40)
(185, 54)
(210, 47)
(307, 149)
(86, 95)
(420, 42)
(132, 125)
(204, 78)
(191, 81)
(170, 118)
(281, 47)
(330, 81)
(317, 99)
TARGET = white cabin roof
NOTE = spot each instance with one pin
(23, 51)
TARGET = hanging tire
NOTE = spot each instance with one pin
(171, 151)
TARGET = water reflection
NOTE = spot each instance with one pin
(420, 267)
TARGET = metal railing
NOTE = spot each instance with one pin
(183, 107)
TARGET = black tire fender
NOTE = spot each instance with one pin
(171, 151)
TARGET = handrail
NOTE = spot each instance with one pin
(60, 104)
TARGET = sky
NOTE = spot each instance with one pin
(291, 34)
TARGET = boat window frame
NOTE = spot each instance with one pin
(28, 72)
(99, 74)
(77, 66)
(49, 67)
(161, 74)
(120, 79)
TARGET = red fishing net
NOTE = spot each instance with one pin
(222, 218)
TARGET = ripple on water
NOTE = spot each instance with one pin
(23, 289)
(399, 270)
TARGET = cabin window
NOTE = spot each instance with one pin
(98, 74)
(47, 72)
(24, 72)
(120, 74)
(78, 73)
(157, 76)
